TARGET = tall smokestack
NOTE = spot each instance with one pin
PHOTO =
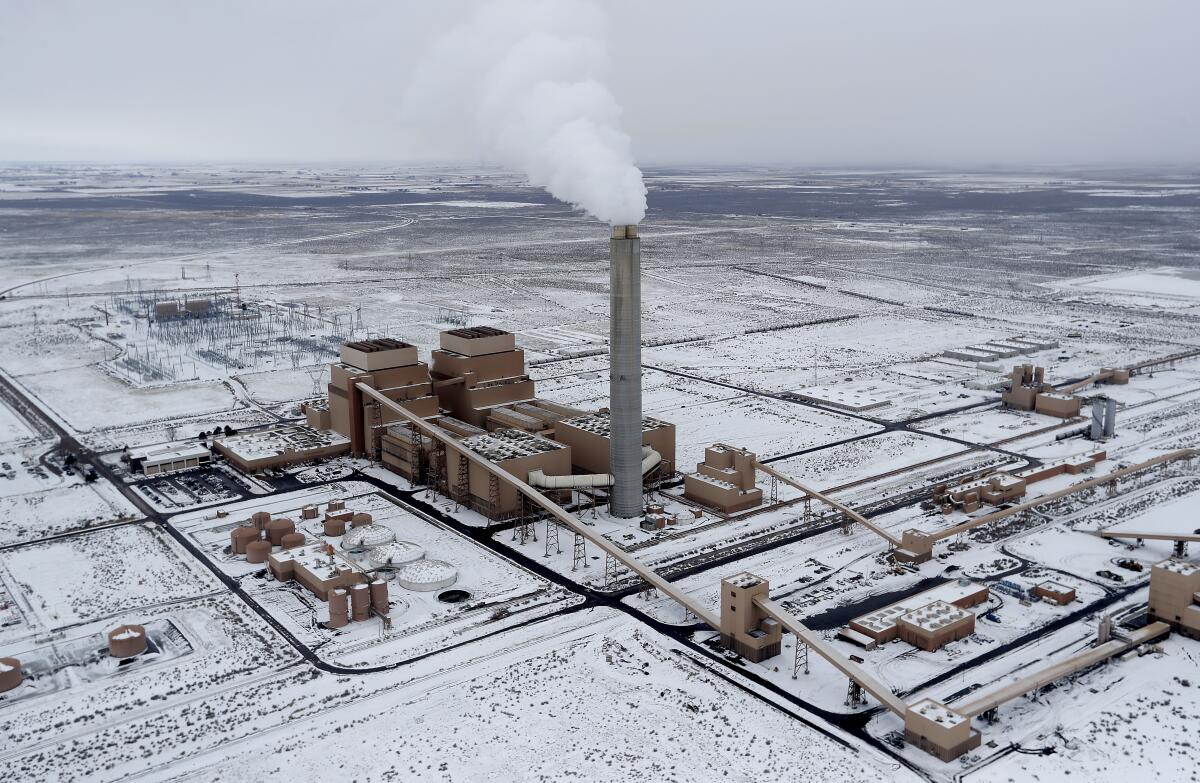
(625, 370)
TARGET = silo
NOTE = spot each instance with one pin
(292, 540)
(308, 512)
(10, 674)
(127, 641)
(260, 519)
(379, 596)
(339, 609)
(334, 526)
(625, 371)
(257, 551)
(360, 519)
(360, 601)
(336, 505)
(1110, 418)
(241, 537)
(278, 528)
(1097, 430)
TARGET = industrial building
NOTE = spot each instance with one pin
(385, 364)
(927, 620)
(1055, 592)
(725, 480)
(938, 730)
(745, 628)
(1175, 595)
(1028, 391)
(993, 489)
(276, 447)
(168, 458)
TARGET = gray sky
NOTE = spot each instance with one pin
(1018, 82)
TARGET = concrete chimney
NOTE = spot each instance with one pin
(625, 371)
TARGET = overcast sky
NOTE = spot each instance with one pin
(903, 82)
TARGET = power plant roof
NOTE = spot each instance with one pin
(509, 444)
(599, 423)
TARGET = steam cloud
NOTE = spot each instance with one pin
(521, 83)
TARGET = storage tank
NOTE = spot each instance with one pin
(395, 554)
(241, 537)
(292, 540)
(278, 528)
(257, 551)
(308, 512)
(335, 526)
(426, 575)
(360, 519)
(336, 505)
(360, 602)
(10, 674)
(339, 608)
(379, 596)
(367, 537)
(260, 519)
(126, 641)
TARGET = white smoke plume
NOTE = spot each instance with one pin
(521, 84)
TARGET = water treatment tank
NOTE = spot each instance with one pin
(339, 608)
(360, 602)
(240, 538)
(278, 528)
(379, 596)
(292, 540)
(367, 537)
(127, 641)
(10, 674)
(395, 554)
(426, 575)
(257, 551)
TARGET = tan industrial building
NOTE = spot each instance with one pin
(315, 568)
(938, 730)
(926, 620)
(993, 489)
(1028, 391)
(745, 628)
(725, 480)
(276, 447)
(517, 452)
(1054, 591)
(588, 437)
(385, 364)
(1175, 595)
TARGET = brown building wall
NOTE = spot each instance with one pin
(727, 500)
(1052, 406)
(930, 640)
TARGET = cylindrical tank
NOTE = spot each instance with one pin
(625, 371)
(335, 527)
(278, 528)
(292, 540)
(426, 575)
(360, 601)
(308, 512)
(260, 519)
(257, 551)
(240, 537)
(339, 608)
(127, 641)
(1110, 418)
(336, 505)
(10, 674)
(360, 519)
(379, 596)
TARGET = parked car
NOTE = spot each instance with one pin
(1110, 575)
